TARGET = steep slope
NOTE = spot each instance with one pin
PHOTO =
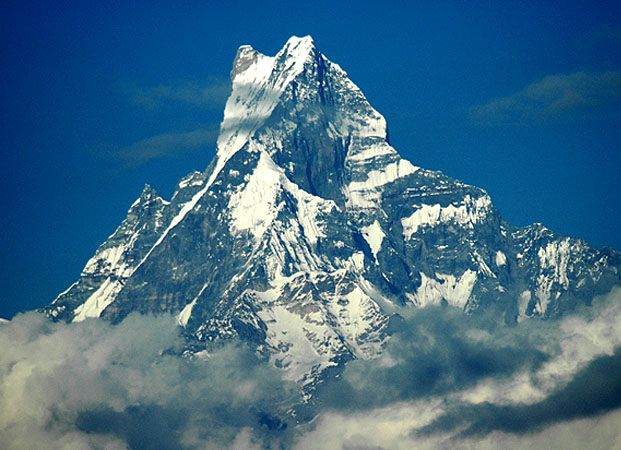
(308, 232)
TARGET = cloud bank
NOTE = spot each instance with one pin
(445, 380)
(448, 382)
(551, 97)
(101, 386)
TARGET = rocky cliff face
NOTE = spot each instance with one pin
(308, 232)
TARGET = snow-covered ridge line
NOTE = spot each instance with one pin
(365, 194)
(63, 293)
(469, 212)
(177, 219)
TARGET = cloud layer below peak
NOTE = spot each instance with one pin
(445, 380)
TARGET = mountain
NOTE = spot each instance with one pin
(308, 233)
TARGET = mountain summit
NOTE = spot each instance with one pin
(308, 233)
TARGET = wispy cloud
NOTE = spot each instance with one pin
(165, 145)
(184, 96)
(551, 97)
(210, 95)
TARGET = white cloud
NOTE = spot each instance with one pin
(388, 429)
(571, 343)
(92, 384)
(573, 346)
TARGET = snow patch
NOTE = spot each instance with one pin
(109, 262)
(255, 206)
(186, 312)
(455, 291)
(356, 262)
(357, 316)
(501, 259)
(309, 208)
(553, 262)
(98, 301)
(306, 335)
(190, 180)
(483, 267)
(523, 302)
(108, 258)
(292, 335)
(374, 236)
(374, 151)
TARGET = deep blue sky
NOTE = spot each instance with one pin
(99, 98)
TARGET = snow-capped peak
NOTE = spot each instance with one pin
(258, 82)
(297, 48)
(308, 240)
